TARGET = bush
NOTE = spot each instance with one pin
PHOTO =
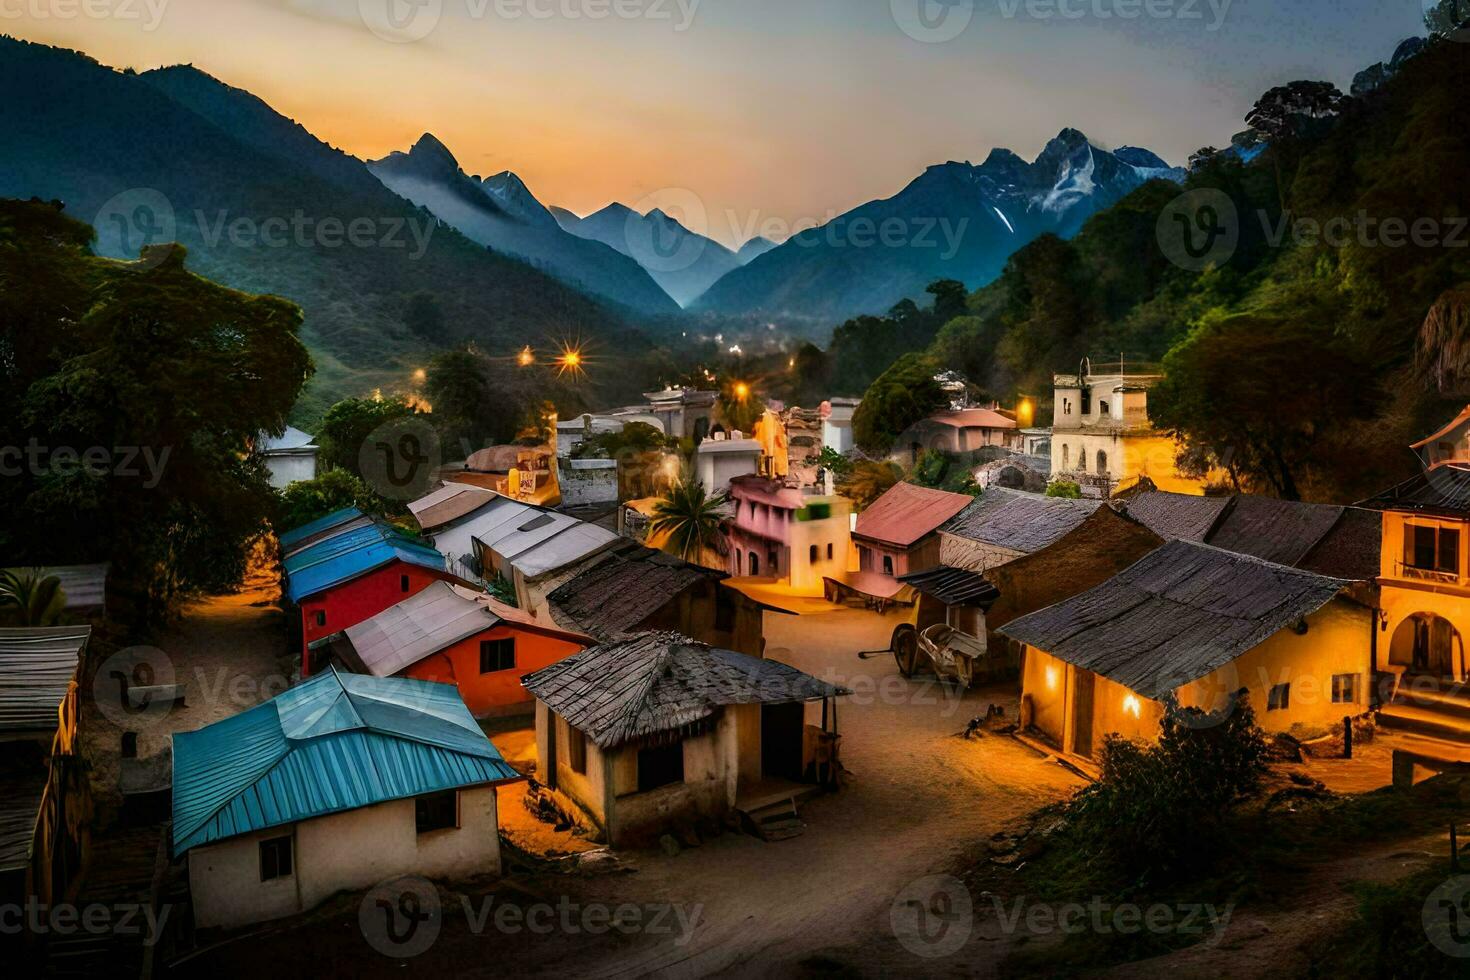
(1158, 813)
(306, 500)
(1064, 488)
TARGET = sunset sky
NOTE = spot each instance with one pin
(759, 113)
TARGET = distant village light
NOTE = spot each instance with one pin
(742, 390)
(1026, 413)
(526, 357)
(419, 375)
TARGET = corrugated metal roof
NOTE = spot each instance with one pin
(484, 524)
(953, 586)
(37, 665)
(1175, 615)
(659, 682)
(907, 513)
(20, 806)
(297, 535)
(85, 585)
(346, 556)
(422, 625)
(338, 742)
(575, 543)
(449, 503)
(1443, 490)
(293, 440)
(1018, 521)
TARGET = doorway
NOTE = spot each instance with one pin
(1082, 698)
(782, 729)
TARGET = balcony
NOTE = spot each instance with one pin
(1415, 573)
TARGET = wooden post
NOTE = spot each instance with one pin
(1347, 737)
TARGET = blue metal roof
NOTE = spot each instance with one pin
(317, 526)
(337, 742)
(346, 556)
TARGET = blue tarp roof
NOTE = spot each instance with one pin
(317, 526)
(337, 742)
(344, 557)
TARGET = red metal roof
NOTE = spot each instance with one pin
(906, 513)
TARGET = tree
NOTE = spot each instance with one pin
(1067, 489)
(1447, 17)
(306, 500)
(901, 396)
(348, 424)
(458, 389)
(1202, 158)
(951, 299)
(141, 404)
(423, 316)
(1255, 393)
(867, 481)
(37, 598)
(1283, 115)
(691, 519)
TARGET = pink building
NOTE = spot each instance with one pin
(970, 429)
(780, 533)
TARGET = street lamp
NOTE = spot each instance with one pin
(526, 357)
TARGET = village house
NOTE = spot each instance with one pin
(289, 457)
(1101, 435)
(1197, 623)
(656, 731)
(897, 534)
(338, 522)
(451, 635)
(1001, 525)
(343, 579)
(683, 413)
(1342, 542)
(836, 414)
(1424, 599)
(1102, 545)
(630, 588)
(788, 535)
(969, 429)
(335, 785)
(45, 809)
(724, 458)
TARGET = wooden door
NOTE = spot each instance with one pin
(1082, 701)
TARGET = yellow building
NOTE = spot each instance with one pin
(1101, 435)
(1424, 585)
(1200, 623)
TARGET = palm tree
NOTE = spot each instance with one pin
(692, 519)
(39, 598)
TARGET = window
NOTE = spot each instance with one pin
(1432, 548)
(887, 564)
(660, 766)
(771, 560)
(437, 811)
(1066, 458)
(275, 858)
(130, 745)
(403, 583)
(1082, 461)
(321, 617)
(829, 551)
(1102, 462)
(812, 554)
(1102, 409)
(755, 565)
(497, 655)
(1280, 698)
(1344, 688)
(576, 750)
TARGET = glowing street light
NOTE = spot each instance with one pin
(742, 390)
(570, 360)
(526, 357)
(420, 375)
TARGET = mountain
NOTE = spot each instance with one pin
(754, 249)
(265, 207)
(955, 221)
(502, 214)
(683, 262)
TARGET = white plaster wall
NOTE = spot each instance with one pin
(341, 852)
(286, 470)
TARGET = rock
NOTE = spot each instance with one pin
(669, 844)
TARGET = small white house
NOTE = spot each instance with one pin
(290, 457)
(336, 785)
(719, 460)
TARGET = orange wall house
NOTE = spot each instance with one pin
(454, 635)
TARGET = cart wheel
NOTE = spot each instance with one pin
(964, 671)
(905, 645)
